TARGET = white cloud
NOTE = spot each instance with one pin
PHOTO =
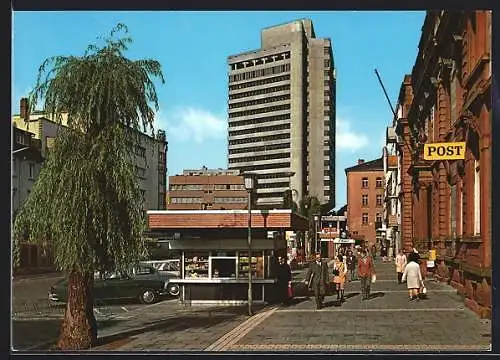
(347, 138)
(192, 124)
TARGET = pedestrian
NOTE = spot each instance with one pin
(400, 265)
(317, 279)
(284, 280)
(413, 277)
(383, 253)
(366, 270)
(374, 251)
(339, 277)
(351, 265)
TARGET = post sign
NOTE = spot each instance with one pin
(444, 151)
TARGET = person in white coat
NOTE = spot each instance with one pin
(413, 276)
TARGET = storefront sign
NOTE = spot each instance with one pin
(444, 151)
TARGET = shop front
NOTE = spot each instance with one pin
(215, 260)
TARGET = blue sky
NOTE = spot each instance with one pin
(193, 48)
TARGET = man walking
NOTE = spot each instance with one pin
(351, 265)
(365, 271)
(317, 279)
(284, 277)
(374, 251)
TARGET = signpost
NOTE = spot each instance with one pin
(444, 151)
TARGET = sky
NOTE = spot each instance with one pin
(193, 47)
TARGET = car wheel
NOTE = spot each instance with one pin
(148, 296)
(174, 289)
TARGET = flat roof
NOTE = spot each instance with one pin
(225, 219)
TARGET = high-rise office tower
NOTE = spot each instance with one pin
(282, 114)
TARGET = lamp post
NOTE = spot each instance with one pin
(249, 186)
(316, 220)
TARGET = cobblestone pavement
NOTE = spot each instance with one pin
(388, 321)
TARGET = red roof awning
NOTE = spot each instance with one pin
(224, 219)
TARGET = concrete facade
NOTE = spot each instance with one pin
(365, 200)
(150, 155)
(282, 114)
(451, 199)
(207, 189)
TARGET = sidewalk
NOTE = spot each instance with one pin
(152, 321)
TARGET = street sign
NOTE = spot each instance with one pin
(444, 151)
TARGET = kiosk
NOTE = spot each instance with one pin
(214, 251)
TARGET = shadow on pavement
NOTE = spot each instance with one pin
(41, 334)
(376, 295)
(178, 324)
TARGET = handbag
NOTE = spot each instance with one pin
(374, 278)
(290, 291)
(424, 289)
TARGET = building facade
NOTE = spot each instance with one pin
(150, 154)
(365, 200)
(282, 114)
(27, 162)
(207, 189)
(451, 102)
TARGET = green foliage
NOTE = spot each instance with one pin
(310, 206)
(86, 201)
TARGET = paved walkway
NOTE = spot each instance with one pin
(386, 322)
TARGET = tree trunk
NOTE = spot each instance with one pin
(79, 327)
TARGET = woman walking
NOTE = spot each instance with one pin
(339, 277)
(400, 265)
(413, 277)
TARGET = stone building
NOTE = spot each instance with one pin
(150, 155)
(447, 98)
(365, 200)
(282, 114)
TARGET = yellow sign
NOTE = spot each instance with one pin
(444, 151)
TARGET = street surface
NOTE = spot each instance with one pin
(388, 321)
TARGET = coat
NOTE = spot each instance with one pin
(340, 278)
(283, 274)
(365, 269)
(351, 262)
(412, 275)
(319, 275)
(400, 263)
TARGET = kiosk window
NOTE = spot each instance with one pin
(223, 267)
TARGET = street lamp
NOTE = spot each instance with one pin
(316, 220)
(250, 179)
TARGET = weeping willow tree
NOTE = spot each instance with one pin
(87, 202)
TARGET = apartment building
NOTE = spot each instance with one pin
(447, 203)
(207, 189)
(365, 200)
(26, 165)
(282, 114)
(150, 154)
(392, 178)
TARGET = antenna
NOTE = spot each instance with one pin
(385, 93)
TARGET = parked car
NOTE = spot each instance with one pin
(169, 269)
(144, 283)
